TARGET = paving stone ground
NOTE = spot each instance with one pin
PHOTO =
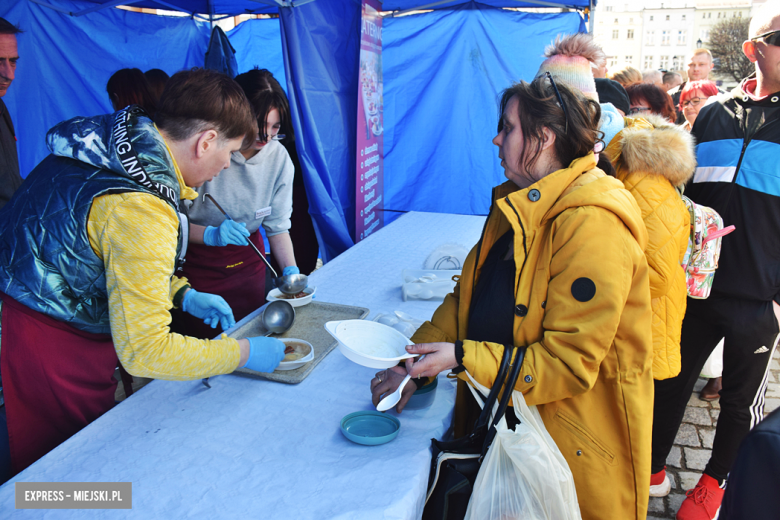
(693, 444)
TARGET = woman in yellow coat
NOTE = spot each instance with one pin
(653, 157)
(567, 241)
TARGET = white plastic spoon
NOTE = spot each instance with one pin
(392, 399)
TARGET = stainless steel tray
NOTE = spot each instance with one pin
(309, 326)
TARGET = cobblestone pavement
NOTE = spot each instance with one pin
(693, 444)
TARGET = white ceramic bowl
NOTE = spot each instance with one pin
(276, 294)
(308, 355)
(369, 343)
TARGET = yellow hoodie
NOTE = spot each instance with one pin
(583, 309)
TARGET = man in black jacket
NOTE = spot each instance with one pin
(10, 179)
(738, 175)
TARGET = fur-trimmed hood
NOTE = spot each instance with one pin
(651, 144)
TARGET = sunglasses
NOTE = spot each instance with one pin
(694, 102)
(770, 38)
(560, 100)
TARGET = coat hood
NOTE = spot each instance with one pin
(581, 184)
(125, 143)
(652, 145)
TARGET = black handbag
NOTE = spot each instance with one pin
(455, 464)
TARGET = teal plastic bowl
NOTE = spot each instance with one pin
(370, 427)
(423, 397)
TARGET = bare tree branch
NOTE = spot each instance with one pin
(726, 47)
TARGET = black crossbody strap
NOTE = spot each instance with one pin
(509, 386)
(487, 408)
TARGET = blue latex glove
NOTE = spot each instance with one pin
(212, 309)
(229, 232)
(290, 269)
(265, 354)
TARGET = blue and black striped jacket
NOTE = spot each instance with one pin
(738, 175)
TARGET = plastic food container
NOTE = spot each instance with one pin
(276, 294)
(427, 284)
(423, 397)
(370, 428)
(302, 348)
(369, 343)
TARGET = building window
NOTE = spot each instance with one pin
(664, 64)
(683, 18)
(704, 34)
(718, 15)
(615, 34)
(612, 61)
(704, 15)
(667, 18)
(629, 60)
(631, 20)
(681, 37)
(665, 37)
(739, 15)
(630, 34)
(616, 20)
(709, 15)
(609, 8)
(676, 63)
(648, 62)
(650, 38)
(651, 18)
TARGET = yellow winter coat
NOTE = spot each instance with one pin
(588, 364)
(651, 157)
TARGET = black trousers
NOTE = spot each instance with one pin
(750, 329)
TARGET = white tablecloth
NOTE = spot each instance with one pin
(257, 449)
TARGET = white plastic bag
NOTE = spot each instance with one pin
(713, 367)
(524, 475)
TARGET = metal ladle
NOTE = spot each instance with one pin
(290, 284)
(277, 318)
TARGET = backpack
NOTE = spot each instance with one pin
(703, 252)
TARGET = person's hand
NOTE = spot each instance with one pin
(212, 309)
(291, 269)
(386, 382)
(439, 357)
(229, 232)
(265, 354)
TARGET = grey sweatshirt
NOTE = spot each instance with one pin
(256, 192)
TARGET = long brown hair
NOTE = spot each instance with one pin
(576, 130)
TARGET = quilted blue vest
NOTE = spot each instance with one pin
(46, 261)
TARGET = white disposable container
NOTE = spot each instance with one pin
(369, 343)
(276, 294)
(292, 365)
(427, 284)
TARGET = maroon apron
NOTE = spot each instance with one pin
(56, 380)
(233, 272)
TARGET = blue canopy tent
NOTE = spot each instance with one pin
(443, 71)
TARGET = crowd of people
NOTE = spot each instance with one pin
(579, 260)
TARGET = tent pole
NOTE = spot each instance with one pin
(590, 17)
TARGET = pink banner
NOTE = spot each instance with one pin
(369, 176)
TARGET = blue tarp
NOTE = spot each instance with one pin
(65, 62)
(441, 102)
(443, 72)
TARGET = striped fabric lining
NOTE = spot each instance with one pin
(757, 407)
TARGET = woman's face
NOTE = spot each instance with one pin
(639, 107)
(693, 104)
(510, 142)
(272, 125)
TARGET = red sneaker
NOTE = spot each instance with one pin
(703, 502)
(660, 485)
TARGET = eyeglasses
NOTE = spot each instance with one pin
(694, 102)
(636, 110)
(770, 38)
(560, 100)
